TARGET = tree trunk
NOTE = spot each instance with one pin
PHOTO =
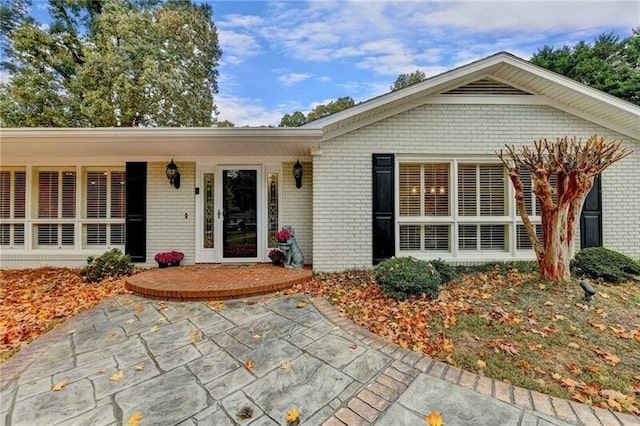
(554, 265)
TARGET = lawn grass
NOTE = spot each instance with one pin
(508, 324)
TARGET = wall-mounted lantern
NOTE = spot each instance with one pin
(173, 174)
(297, 173)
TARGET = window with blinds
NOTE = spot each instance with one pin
(523, 242)
(482, 190)
(424, 238)
(436, 189)
(423, 189)
(12, 207)
(490, 237)
(409, 190)
(56, 200)
(105, 198)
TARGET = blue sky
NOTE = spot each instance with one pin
(282, 56)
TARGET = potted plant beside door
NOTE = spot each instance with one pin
(169, 258)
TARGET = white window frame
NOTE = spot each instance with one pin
(510, 218)
(12, 221)
(108, 221)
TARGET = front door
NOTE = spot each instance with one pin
(238, 219)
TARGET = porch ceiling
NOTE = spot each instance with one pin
(148, 142)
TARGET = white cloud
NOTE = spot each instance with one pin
(324, 78)
(289, 79)
(530, 16)
(233, 21)
(247, 111)
(237, 46)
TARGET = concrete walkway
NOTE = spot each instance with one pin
(249, 362)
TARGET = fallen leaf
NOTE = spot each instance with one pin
(613, 394)
(603, 295)
(130, 321)
(434, 419)
(102, 370)
(301, 304)
(134, 420)
(154, 329)
(249, 364)
(110, 335)
(573, 368)
(549, 303)
(139, 367)
(71, 331)
(481, 363)
(573, 345)
(195, 336)
(353, 346)
(286, 365)
(245, 413)
(139, 309)
(293, 415)
(257, 336)
(60, 385)
(610, 358)
(556, 376)
(117, 376)
(614, 404)
(539, 370)
(597, 325)
(218, 306)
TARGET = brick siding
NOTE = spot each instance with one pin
(342, 199)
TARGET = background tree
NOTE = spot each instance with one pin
(110, 63)
(405, 80)
(225, 123)
(609, 64)
(297, 118)
(574, 166)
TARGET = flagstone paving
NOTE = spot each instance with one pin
(197, 363)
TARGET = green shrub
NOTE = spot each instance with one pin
(447, 272)
(110, 264)
(400, 277)
(603, 264)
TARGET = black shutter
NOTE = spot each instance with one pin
(591, 217)
(136, 221)
(383, 207)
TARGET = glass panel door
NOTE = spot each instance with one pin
(206, 214)
(240, 213)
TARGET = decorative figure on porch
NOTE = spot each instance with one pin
(287, 243)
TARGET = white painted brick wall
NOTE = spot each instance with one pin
(167, 227)
(342, 174)
(297, 207)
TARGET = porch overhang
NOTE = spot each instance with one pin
(25, 143)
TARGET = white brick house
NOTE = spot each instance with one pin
(410, 172)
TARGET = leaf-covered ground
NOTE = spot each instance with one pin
(511, 326)
(37, 300)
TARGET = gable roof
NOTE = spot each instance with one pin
(493, 74)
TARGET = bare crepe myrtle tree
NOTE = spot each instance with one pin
(574, 164)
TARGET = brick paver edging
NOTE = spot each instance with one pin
(378, 395)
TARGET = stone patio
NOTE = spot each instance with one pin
(197, 363)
